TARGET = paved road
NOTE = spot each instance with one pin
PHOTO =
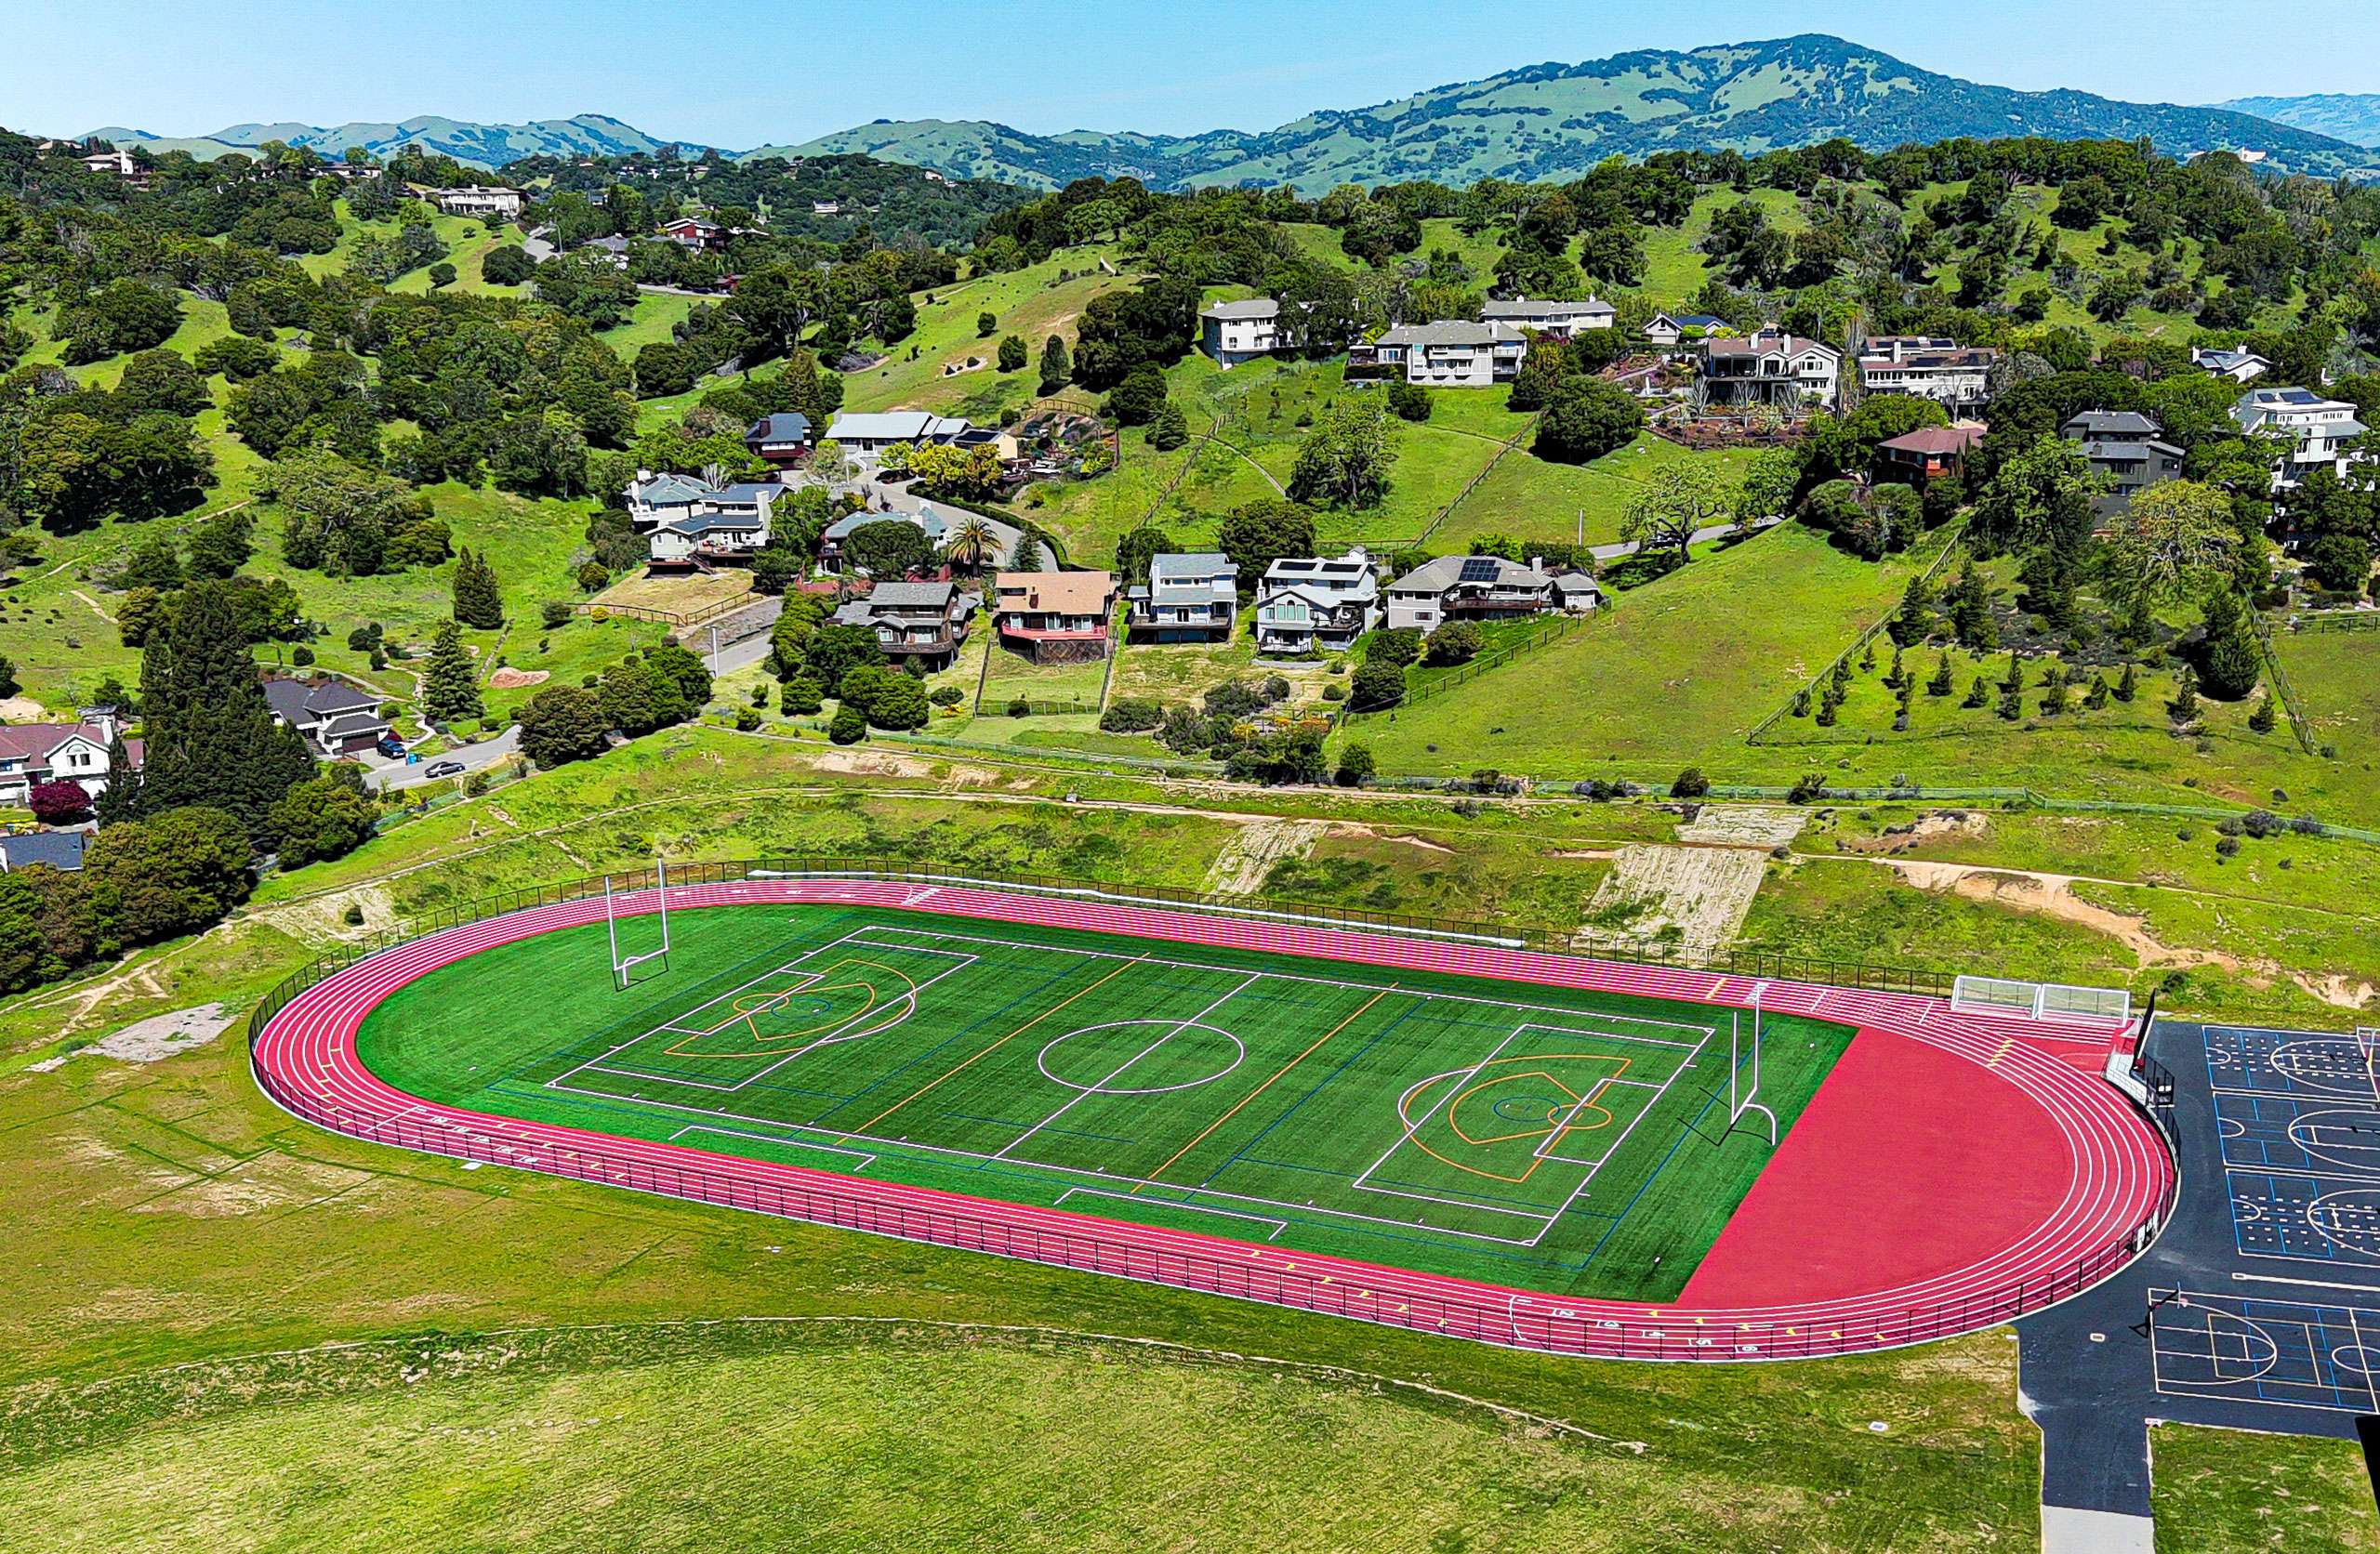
(474, 757)
(1613, 552)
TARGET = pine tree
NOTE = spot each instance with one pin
(2012, 702)
(2184, 706)
(1977, 693)
(449, 688)
(2228, 663)
(1940, 684)
(2096, 697)
(120, 798)
(2013, 680)
(1896, 675)
(477, 600)
(2129, 685)
(210, 737)
(1056, 365)
(2263, 719)
(2054, 699)
(1913, 622)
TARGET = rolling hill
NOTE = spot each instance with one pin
(2341, 115)
(1550, 120)
(477, 145)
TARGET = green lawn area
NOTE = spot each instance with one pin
(1678, 673)
(1178, 672)
(928, 370)
(1008, 675)
(1534, 498)
(2220, 1490)
(872, 1029)
(649, 322)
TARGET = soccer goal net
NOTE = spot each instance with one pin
(2057, 1002)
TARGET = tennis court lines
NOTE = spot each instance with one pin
(1221, 1092)
(2288, 1353)
(2298, 1121)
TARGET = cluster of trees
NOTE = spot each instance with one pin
(663, 685)
(71, 457)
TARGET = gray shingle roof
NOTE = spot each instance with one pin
(1254, 308)
(59, 849)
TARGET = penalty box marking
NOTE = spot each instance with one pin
(842, 1033)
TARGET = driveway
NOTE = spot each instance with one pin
(398, 776)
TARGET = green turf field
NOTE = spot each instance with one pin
(1566, 1142)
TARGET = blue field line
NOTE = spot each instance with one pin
(1351, 1058)
(1645, 1186)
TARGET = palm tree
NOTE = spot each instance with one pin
(971, 544)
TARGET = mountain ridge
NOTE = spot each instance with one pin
(1552, 119)
(2350, 116)
(1536, 122)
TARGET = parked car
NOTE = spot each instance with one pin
(444, 769)
(392, 746)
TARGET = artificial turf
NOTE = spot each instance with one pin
(1566, 1142)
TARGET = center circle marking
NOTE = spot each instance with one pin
(1211, 1036)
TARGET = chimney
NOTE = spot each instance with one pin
(102, 719)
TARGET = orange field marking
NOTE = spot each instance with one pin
(747, 1013)
(996, 1046)
(1266, 1085)
(1590, 1100)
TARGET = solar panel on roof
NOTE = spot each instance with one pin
(1479, 568)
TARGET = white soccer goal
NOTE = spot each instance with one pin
(2055, 1002)
(621, 968)
(1743, 1097)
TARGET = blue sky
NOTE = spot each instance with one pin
(741, 72)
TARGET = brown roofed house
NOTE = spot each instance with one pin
(1054, 617)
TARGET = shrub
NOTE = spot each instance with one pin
(1455, 643)
(800, 696)
(1356, 765)
(946, 696)
(1408, 401)
(1133, 716)
(1335, 692)
(1586, 418)
(553, 614)
(747, 719)
(301, 656)
(1808, 789)
(848, 727)
(1375, 685)
(1399, 647)
(1019, 706)
(1690, 783)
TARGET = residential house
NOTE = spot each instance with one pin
(826, 208)
(1771, 367)
(932, 521)
(336, 718)
(353, 172)
(696, 521)
(35, 753)
(1236, 332)
(1192, 597)
(2317, 425)
(611, 249)
(1931, 451)
(1317, 603)
(873, 431)
(1956, 377)
(1054, 617)
(693, 232)
(923, 621)
(2241, 366)
(1449, 353)
(58, 850)
(486, 203)
(2125, 447)
(1670, 330)
(121, 165)
(781, 440)
(1557, 320)
(1472, 588)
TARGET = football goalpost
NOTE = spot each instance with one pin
(622, 967)
(1743, 1098)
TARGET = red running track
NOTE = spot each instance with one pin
(2116, 1173)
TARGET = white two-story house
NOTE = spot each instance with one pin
(1189, 598)
(1773, 367)
(1236, 332)
(1483, 588)
(2315, 425)
(1957, 377)
(1557, 320)
(1450, 353)
(1317, 603)
(691, 521)
(31, 754)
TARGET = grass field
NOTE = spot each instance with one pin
(2222, 1490)
(1563, 1141)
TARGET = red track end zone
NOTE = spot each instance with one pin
(1952, 1172)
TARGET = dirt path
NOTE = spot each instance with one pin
(1250, 459)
